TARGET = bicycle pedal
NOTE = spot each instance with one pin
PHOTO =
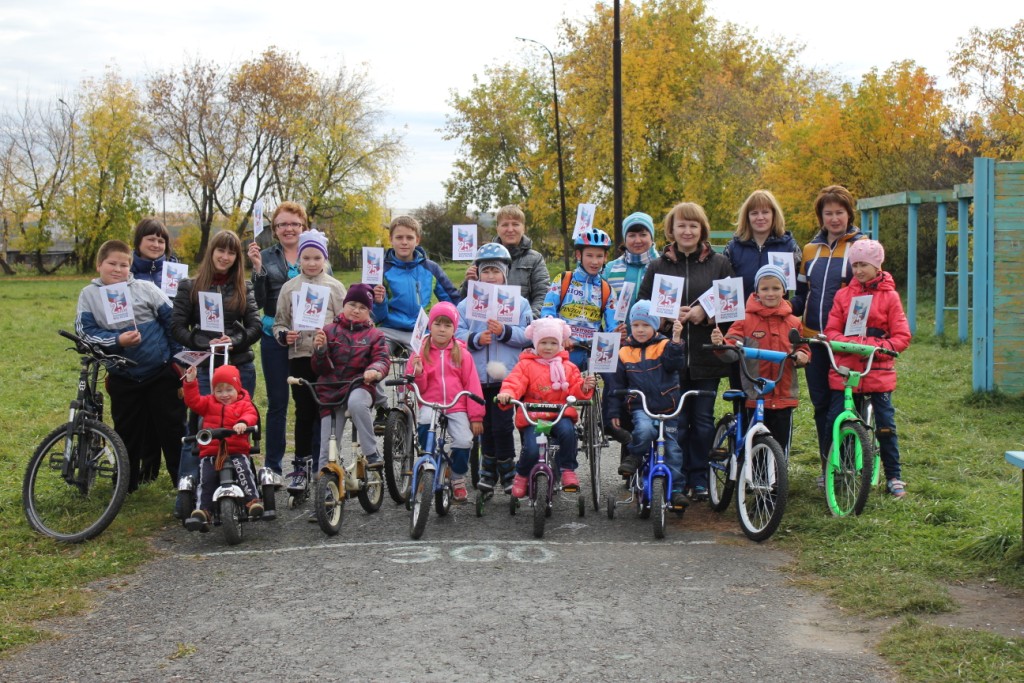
(571, 488)
(719, 454)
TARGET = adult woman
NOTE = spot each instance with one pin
(689, 255)
(760, 230)
(637, 253)
(823, 272)
(151, 244)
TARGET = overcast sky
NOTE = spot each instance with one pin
(417, 52)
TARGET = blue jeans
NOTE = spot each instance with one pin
(189, 464)
(563, 434)
(644, 432)
(696, 430)
(275, 378)
(885, 427)
(816, 374)
(459, 456)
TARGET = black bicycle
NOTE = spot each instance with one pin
(77, 478)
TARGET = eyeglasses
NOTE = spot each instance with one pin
(289, 225)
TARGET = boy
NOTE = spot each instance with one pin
(651, 363)
(887, 327)
(583, 298)
(143, 398)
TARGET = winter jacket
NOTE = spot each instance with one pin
(530, 382)
(411, 285)
(652, 367)
(629, 267)
(150, 270)
(439, 380)
(283, 320)
(216, 415)
(747, 257)
(351, 349)
(152, 318)
(887, 327)
(822, 273)
(768, 328)
(698, 269)
(504, 350)
(584, 306)
(242, 327)
(528, 271)
(267, 283)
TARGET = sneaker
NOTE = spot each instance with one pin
(821, 482)
(298, 480)
(374, 461)
(380, 421)
(570, 482)
(519, 486)
(700, 493)
(486, 482)
(278, 480)
(459, 492)
(628, 466)
(896, 488)
(198, 521)
(254, 508)
(680, 499)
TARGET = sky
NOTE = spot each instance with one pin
(418, 52)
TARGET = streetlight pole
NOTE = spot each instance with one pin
(566, 246)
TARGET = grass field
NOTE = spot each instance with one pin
(959, 523)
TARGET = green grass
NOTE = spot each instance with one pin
(959, 522)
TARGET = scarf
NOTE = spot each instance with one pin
(556, 372)
(640, 259)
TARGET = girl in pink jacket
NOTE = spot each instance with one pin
(443, 368)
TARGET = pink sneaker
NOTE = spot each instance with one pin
(519, 486)
(459, 492)
(569, 481)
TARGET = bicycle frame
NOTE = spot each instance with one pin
(542, 429)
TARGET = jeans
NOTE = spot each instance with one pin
(696, 429)
(275, 378)
(816, 374)
(645, 432)
(563, 434)
(189, 464)
(885, 427)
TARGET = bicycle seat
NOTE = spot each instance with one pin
(733, 394)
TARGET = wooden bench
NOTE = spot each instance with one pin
(1016, 458)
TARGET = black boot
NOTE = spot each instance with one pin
(488, 473)
(506, 472)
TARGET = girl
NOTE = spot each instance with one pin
(443, 368)
(152, 247)
(545, 375)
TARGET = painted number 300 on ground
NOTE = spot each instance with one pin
(416, 554)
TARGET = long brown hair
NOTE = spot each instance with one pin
(225, 239)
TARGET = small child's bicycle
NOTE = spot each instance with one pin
(651, 485)
(77, 478)
(431, 473)
(336, 479)
(748, 454)
(544, 480)
(853, 465)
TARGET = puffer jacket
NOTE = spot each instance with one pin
(652, 367)
(505, 350)
(747, 257)
(186, 324)
(352, 349)
(699, 270)
(411, 285)
(267, 283)
(584, 306)
(887, 327)
(151, 270)
(629, 267)
(283, 322)
(217, 415)
(822, 273)
(530, 382)
(768, 329)
(440, 379)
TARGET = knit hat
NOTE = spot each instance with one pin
(500, 265)
(866, 251)
(769, 270)
(545, 328)
(360, 294)
(640, 219)
(641, 312)
(446, 309)
(227, 374)
(313, 239)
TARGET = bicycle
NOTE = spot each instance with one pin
(748, 455)
(848, 480)
(591, 435)
(77, 478)
(431, 472)
(399, 431)
(650, 487)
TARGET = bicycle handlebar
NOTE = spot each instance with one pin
(777, 357)
(96, 351)
(302, 381)
(525, 408)
(205, 436)
(408, 381)
(692, 393)
(866, 350)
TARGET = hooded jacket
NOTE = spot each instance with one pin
(283, 320)
(411, 285)
(352, 349)
(216, 415)
(652, 367)
(440, 379)
(242, 327)
(822, 273)
(887, 327)
(504, 350)
(530, 382)
(747, 257)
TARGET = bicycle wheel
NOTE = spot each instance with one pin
(399, 451)
(540, 504)
(763, 488)
(443, 499)
(371, 495)
(329, 503)
(77, 503)
(658, 505)
(868, 413)
(421, 503)
(719, 463)
(474, 462)
(230, 520)
(848, 481)
(592, 435)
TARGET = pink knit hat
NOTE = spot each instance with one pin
(446, 309)
(545, 328)
(866, 251)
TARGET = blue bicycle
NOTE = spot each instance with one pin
(650, 487)
(748, 454)
(431, 472)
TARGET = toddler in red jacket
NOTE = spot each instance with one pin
(229, 406)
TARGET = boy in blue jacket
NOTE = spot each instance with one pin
(495, 348)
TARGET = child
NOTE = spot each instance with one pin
(583, 298)
(345, 349)
(651, 363)
(769, 318)
(443, 368)
(312, 261)
(411, 282)
(229, 406)
(144, 398)
(545, 375)
(495, 348)
(886, 327)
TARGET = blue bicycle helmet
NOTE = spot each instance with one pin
(593, 237)
(493, 251)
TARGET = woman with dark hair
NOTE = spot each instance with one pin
(151, 248)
